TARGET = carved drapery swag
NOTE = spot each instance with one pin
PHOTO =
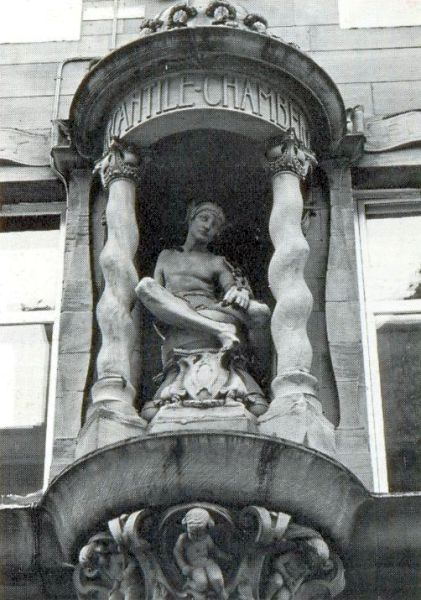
(205, 552)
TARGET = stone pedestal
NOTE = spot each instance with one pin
(233, 416)
(111, 418)
(297, 415)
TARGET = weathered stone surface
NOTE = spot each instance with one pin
(299, 418)
(104, 426)
(370, 65)
(73, 328)
(69, 414)
(343, 311)
(233, 416)
(164, 470)
(72, 372)
(77, 295)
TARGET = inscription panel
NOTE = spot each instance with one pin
(208, 91)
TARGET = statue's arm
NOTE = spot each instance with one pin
(234, 291)
(159, 268)
(179, 555)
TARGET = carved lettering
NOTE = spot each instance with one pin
(203, 90)
(185, 83)
(230, 84)
(206, 92)
(167, 106)
(248, 95)
(147, 96)
(266, 99)
(281, 111)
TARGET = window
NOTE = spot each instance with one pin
(391, 277)
(379, 13)
(40, 21)
(30, 267)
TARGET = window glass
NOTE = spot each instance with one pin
(394, 256)
(391, 251)
(30, 260)
(24, 362)
(28, 263)
(399, 352)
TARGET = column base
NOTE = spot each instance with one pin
(112, 417)
(298, 418)
(233, 416)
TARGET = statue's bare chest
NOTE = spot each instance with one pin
(190, 265)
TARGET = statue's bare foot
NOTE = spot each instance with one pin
(228, 338)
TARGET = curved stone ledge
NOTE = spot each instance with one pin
(165, 470)
(200, 47)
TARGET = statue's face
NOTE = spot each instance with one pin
(195, 531)
(205, 226)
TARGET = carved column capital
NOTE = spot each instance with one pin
(289, 155)
(122, 161)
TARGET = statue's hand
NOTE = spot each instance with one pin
(237, 297)
(187, 571)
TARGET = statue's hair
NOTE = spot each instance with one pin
(194, 208)
(198, 517)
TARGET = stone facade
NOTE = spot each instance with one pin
(194, 491)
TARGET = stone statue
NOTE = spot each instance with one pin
(269, 557)
(207, 317)
(194, 553)
(304, 569)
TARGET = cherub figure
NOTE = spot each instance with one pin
(194, 552)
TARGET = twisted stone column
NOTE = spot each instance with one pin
(120, 174)
(295, 413)
(113, 394)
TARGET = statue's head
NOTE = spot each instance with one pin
(205, 219)
(197, 520)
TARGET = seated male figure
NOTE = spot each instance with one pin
(188, 281)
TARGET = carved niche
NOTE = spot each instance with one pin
(206, 552)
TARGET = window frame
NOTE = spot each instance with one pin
(43, 316)
(369, 310)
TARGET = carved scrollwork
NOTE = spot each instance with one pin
(289, 155)
(205, 552)
(122, 161)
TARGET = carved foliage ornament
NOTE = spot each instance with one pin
(180, 14)
(205, 552)
(122, 161)
(289, 155)
(217, 12)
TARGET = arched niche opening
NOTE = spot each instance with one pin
(202, 165)
(230, 169)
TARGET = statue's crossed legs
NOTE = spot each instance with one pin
(175, 311)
